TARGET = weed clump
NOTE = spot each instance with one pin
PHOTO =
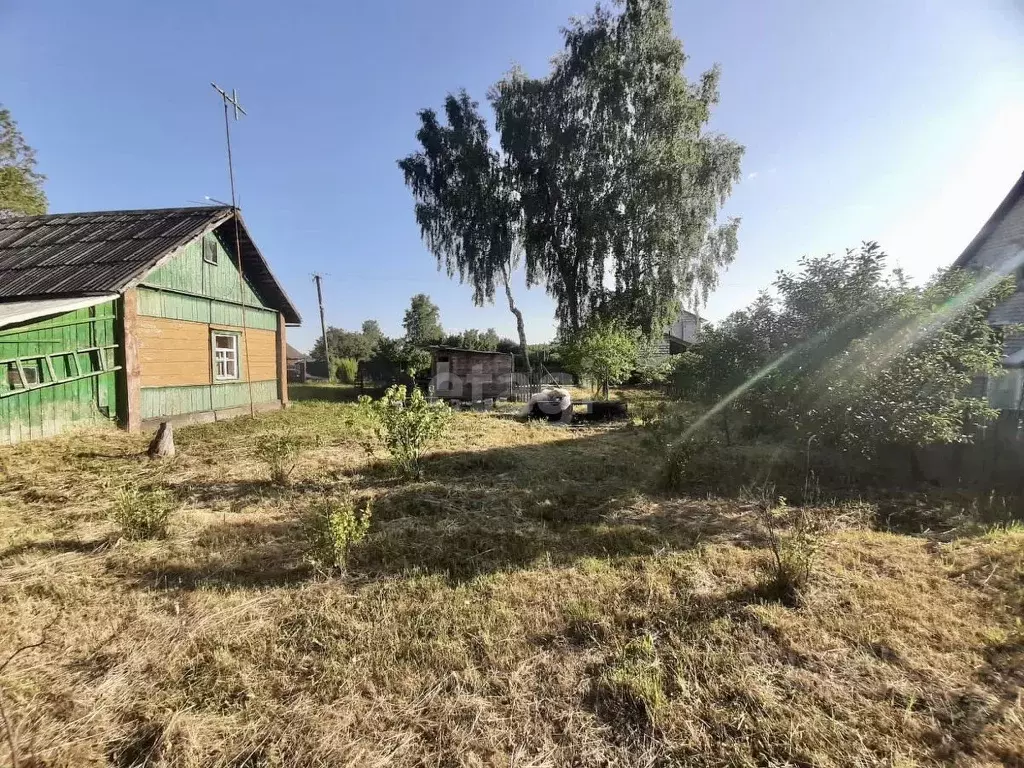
(141, 514)
(583, 622)
(632, 688)
(795, 536)
(333, 527)
(280, 452)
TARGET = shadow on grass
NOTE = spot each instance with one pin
(476, 512)
(56, 546)
(243, 492)
(241, 554)
(331, 393)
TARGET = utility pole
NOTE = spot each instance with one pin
(233, 101)
(318, 279)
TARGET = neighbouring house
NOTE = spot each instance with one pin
(999, 246)
(136, 317)
(297, 362)
(682, 333)
(471, 375)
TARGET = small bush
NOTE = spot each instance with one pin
(347, 370)
(406, 428)
(632, 688)
(794, 535)
(141, 514)
(333, 527)
(280, 452)
(647, 411)
(696, 463)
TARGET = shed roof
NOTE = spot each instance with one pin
(14, 312)
(291, 353)
(443, 348)
(76, 254)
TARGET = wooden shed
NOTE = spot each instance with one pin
(471, 375)
(136, 317)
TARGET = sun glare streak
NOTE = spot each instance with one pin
(746, 385)
(894, 341)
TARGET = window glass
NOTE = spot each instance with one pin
(209, 250)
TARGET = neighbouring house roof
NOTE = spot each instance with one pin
(294, 354)
(14, 312)
(1015, 196)
(75, 254)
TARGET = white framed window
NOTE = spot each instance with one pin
(225, 356)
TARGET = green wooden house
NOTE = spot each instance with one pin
(136, 317)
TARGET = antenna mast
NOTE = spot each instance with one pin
(233, 101)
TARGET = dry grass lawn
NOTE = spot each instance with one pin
(533, 601)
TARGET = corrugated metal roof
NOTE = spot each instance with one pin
(106, 251)
(15, 312)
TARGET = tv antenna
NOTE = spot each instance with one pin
(232, 100)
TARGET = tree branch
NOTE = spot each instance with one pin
(520, 325)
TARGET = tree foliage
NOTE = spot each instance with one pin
(400, 356)
(372, 332)
(422, 321)
(472, 338)
(347, 344)
(21, 186)
(616, 172)
(606, 169)
(465, 206)
(604, 352)
(852, 355)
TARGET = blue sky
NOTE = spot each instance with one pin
(900, 121)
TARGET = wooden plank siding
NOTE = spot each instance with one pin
(175, 357)
(178, 353)
(180, 304)
(188, 273)
(49, 410)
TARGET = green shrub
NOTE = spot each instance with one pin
(698, 463)
(406, 427)
(141, 514)
(280, 451)
(333, 527)
(348, 370)
(632, 688)
(794, 536)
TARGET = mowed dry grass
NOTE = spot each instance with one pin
(532, 601)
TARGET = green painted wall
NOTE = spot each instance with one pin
(189, 273)
(174, 401)
(50, 409)
(197, 309)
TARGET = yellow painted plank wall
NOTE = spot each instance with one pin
(176, 353)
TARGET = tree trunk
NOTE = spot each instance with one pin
(162, 445)
(520, 325)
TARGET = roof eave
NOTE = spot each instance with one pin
(1016, 193)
